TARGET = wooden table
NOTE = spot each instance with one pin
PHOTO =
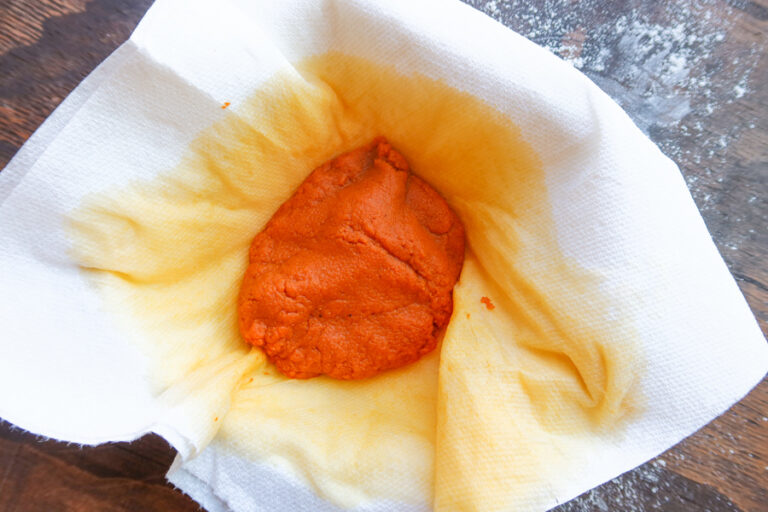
(691, 73)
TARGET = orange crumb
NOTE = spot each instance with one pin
(488, 303)
(216, 418)
(467, 316)
(226, 104)
(250, 380)
(266, 373)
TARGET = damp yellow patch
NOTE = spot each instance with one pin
(515, 392)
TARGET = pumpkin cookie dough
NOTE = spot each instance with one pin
(354, 273)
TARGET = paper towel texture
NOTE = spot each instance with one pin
(617, 329)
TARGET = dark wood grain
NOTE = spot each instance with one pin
(52, 476)
(48, 46)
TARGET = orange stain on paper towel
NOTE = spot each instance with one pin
(179, 293)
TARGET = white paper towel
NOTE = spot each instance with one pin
(620, 208)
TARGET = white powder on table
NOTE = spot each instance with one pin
(670, 65)
(662, 60)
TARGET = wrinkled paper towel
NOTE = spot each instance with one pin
(617, 332)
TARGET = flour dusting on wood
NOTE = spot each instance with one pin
(674, 67)
(650, 487)
(662, 60)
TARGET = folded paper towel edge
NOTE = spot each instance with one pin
(643, 458)
(197, 489)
